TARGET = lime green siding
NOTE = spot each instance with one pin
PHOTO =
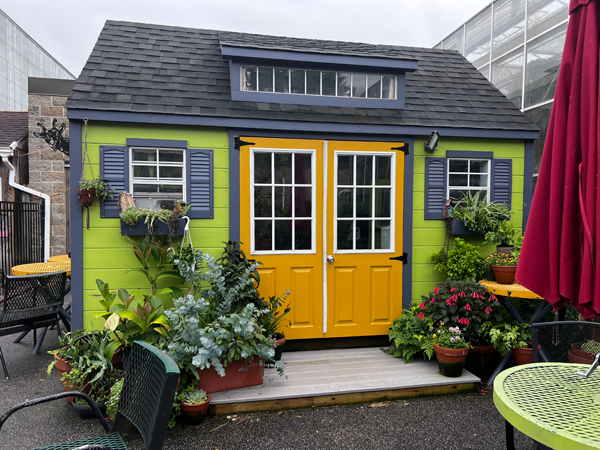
(429, 235)
(106, 254)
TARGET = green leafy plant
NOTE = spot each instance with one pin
(504, 235)
(272, 313)
(131, 215)
(462, 262)
(113, 400)
(479, 215)
(99, 184)
(195, 397)
(506, 335)
(410, 335)
(450, 337)
(501, 259)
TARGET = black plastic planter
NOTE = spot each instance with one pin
(159, 228)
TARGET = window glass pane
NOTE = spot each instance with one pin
(507, 76)
(343, 84)
(388, 87)
(313, 82)
(541, 117)
(171, 172)
(262, 167)
(382, 235)
(139, 188)
(458, 180)
(363, 234)
(478, 180)
(479, 166)
(344, 235)
(265, 79)
(282, 80)
(545, 14)
(509, 25)
(328, 83)
(455, 41)
(283, 168)
(459, 165)
(144, 155)
(303, 234)
(283, 201)
(170, 156)
(249, 78)
(345, 198)
(345, 172)
(543, 61)
(170, 189)
(283, 235)
(262, 201)
(485, 71)
(263, 235)
(302, 168)
(364, 170)
(359, 85)
(297, 81)
(302, 202)
(477, 49)
(373, 86)
(364, 197)
(383, 202)
(144, 171)
(383, 176)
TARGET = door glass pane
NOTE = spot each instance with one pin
(345, 202)
(383, 201)
(265, 79)
(297, 81)
(283, 168)
(262, 167)
(345, 170)
(302, 168)
(328, 83)
(359, 85)
(262, 201)
(363, 202)
(283, 201)
(363, 234)
(263, 235)
(344, 235)
(303, 202)
(282, 80)
(303, 234)
(313, 82)
(383, 235)
(364, 170)
(383, 176)
(283, 235)
(374, 86)
(343, 84)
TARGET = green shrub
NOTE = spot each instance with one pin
(410, 334)
(462, 262)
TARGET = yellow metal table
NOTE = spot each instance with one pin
(510, 290)
(39, 268)
(550, 403)
(60, 258)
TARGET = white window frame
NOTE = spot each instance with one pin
(158, 164)
(313, 217)
(468, 173)
(373, 218)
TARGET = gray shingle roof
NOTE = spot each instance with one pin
(13, 126)
(137, 67)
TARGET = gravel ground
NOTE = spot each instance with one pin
(466, 421)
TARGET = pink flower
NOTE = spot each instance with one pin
(462, 294)
(468, 307)
(493, 297)
(452, 290)
(436, 290)
(421, 315)
(422, 305)
(488, 310)
(464, 321)
(432, 301)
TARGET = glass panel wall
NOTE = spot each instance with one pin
(456, 40)
(479, 31)
(507, 75)
(509, 25)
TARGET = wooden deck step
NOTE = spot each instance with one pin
(325, 377)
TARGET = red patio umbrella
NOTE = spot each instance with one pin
(559, 256)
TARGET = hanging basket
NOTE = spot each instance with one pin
(86, 196)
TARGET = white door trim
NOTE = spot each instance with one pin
(325, 237)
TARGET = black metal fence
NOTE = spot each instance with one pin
(21, 234)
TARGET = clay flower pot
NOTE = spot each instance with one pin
(63, 366)
(523, 355)
(194, 414)
(505, 274)
(451, 361)
(86, 196)
(578, 356)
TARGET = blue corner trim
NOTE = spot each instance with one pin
(527, 182)
(320, 59)
(407, 237)
(234, 190)
(468, 154)
(390, 131)
(76, 228)
(171, 143)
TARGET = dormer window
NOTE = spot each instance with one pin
(315, 82)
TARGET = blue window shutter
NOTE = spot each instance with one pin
(200, 184)
(501, 191)
(435, 187)
(114, 166)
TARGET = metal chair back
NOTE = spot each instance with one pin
(148, 393)
(31, 294)
(569, 341)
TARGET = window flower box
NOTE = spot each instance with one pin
(458, 229)
(159, 228)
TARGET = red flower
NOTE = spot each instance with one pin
(421, 315)
(422, 305)
(468, 307)
(493, 297)
(462, 294)
(488, 310)
(452, 290)
(436, 290)
(432, 301)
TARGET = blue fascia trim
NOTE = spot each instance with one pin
(319, 100)
(527, 182)
(170, 143)
(407, 237)
(468, 154)
(76, 227)
(234, 190)
(285, 125)
(320, 59)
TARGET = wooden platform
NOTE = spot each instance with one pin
(326, 377)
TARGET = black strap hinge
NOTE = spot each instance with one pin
(403, 258)
(237, 143)
(405, 148)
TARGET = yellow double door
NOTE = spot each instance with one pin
(324, 218)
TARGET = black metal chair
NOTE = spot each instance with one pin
(570, 341)
(146, 400)
(31, 302)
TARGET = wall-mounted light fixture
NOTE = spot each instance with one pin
(432, 143)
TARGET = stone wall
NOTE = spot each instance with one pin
(47, 166)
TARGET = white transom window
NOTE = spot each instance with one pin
(468, 175)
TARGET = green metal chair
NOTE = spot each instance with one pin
(146, 401)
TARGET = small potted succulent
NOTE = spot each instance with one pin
(451, 351)
(194, 404)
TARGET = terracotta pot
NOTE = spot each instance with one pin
(194, 414)
(211, 381)
(482, 360)
(117, 359)
(279, 348)
(523, 355)
(451, 361)
(86, 196)
(63, 366)
(505, 274)
(578, 356)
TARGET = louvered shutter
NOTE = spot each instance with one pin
(114, 166)
(501, 191)
(200, 183)
(435, 187)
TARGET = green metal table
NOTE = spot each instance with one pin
(551, 404)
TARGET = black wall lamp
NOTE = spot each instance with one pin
(432, 143)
